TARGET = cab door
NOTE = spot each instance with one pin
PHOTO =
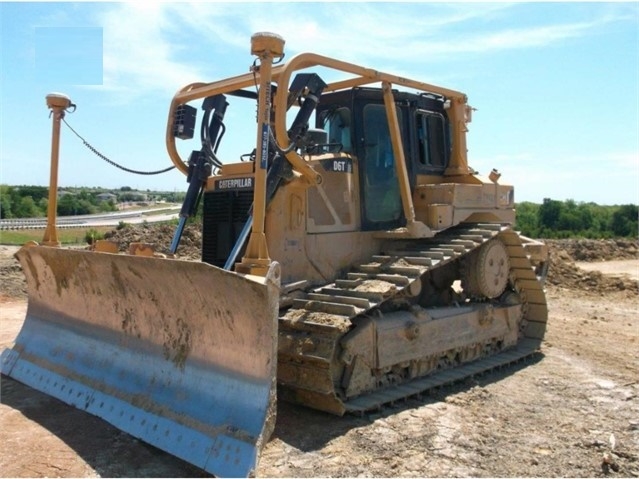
(381, 203)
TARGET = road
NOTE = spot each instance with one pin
(149, 215)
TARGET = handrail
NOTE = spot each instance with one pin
(458, 111)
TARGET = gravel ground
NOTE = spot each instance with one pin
(572, 411)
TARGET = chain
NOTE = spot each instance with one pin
(100, 155)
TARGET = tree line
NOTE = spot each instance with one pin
(33, 201)
(568, 219)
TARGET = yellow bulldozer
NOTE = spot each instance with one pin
(350, 259)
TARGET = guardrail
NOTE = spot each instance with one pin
(77, 222)
(59, 226)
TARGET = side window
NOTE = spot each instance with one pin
(338, 124)
(431, 140)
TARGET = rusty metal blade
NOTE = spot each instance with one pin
(179, 354)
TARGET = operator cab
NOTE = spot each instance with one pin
(356, 121)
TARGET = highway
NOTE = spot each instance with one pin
(169, 212)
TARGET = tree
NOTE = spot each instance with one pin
(43, 204)
(586, 216)
(67, 205)
(568, 217)
(27, 208)
(105, 206)
(549, 213)
(35, 192)
(5, 202)
(625, 221)
(85, 208)
(527, 218)
(14, 194)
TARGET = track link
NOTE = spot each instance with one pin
(310, 331)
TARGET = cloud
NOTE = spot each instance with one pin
(346, 30)
(382, 30)
(159, 47)
(140, 55)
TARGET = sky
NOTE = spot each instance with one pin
(555, 85)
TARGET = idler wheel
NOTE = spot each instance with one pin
(486, 272)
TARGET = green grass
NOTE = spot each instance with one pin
(70, 236)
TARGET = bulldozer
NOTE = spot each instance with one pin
(350, 259)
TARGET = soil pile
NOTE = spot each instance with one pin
(595, 250)
(160, 236)
(12, 282)
(564, 273)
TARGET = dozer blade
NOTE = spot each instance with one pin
(179, 354)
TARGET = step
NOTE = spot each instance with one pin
(334, 298)
(326, 307)
(371, 296)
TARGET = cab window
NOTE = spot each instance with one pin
(431, 140)
(338, 125)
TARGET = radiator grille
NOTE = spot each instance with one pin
(225, 213)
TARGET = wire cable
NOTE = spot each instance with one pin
(100, 155)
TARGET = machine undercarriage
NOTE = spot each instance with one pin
(397, 325)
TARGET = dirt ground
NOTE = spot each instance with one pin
(571, 411)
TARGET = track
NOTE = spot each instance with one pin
(312, 361)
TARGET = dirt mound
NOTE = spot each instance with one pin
(564, 273)
(13, 285)
(160, 236)
(595, 250)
